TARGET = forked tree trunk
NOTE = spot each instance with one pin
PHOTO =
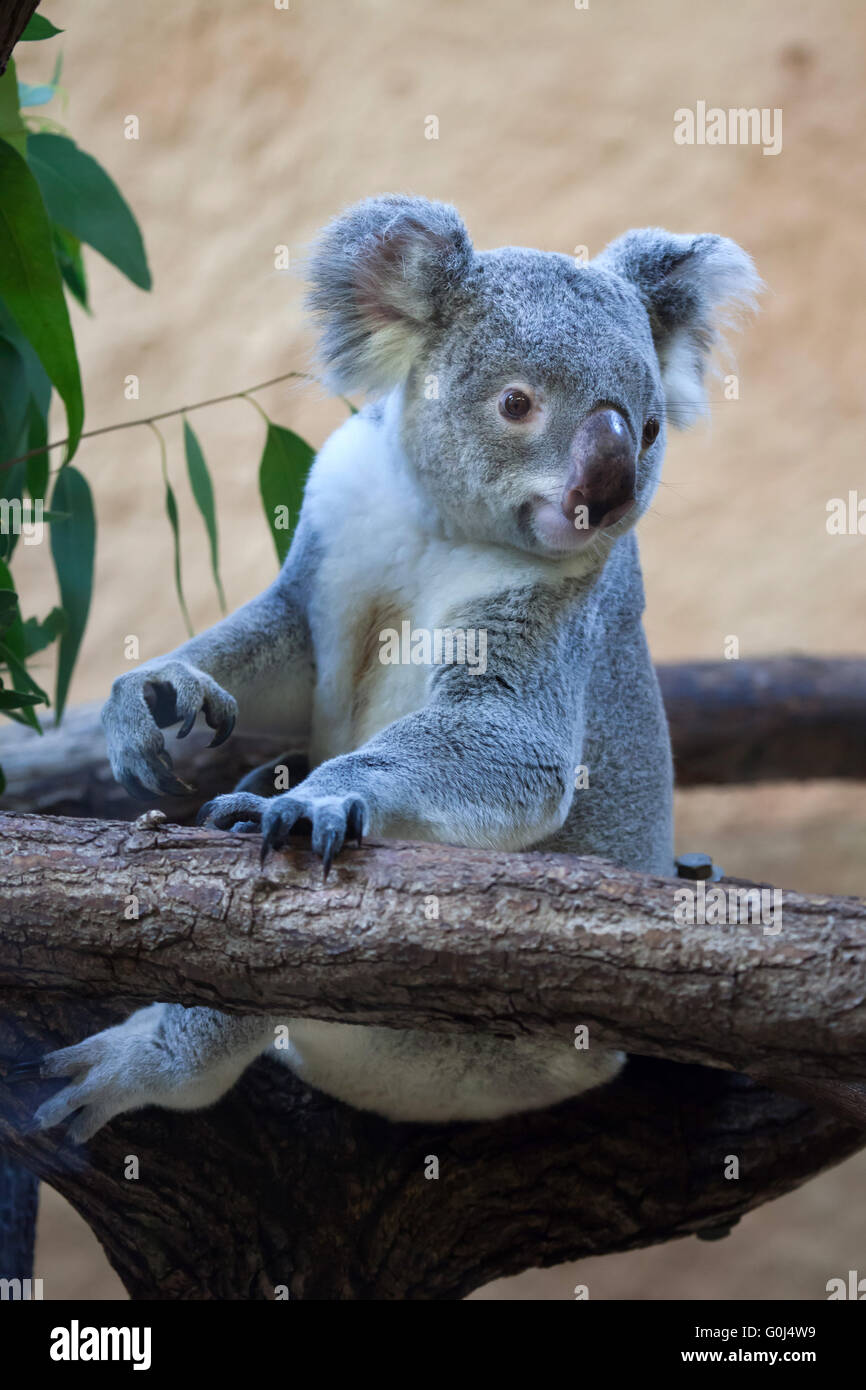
(279, 1188)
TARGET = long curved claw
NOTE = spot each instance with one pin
(332, 843)
(270, 840)
(187, 724)
(355, 823)
(169, 782)
(136, 788)
(223, 730)
(25, 1071)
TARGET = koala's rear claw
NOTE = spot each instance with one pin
(25, 1071)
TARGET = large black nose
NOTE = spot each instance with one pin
(601, 474)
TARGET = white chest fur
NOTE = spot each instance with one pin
(384, 569)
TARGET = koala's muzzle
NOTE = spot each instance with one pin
(601, 476)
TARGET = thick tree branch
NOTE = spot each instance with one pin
(280, 1186)
(522, 943)
(731, 721)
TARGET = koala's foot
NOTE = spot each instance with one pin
(119, 1069)
(181, 1059)
(333, 819)
(145, 701)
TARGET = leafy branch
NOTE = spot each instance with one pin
(54, 200)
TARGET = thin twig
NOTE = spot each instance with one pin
(162, 415)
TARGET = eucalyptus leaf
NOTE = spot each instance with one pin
(81, 198)
(73, 547)
(283, 470)
(202, 491)
(38, 27)
(12, 128)
(31, 287)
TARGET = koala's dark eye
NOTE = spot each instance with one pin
(650, 432)
(514, 405)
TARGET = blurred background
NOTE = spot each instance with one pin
(555, 130)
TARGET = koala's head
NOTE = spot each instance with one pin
(535, 391)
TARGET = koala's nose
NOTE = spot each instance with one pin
(602, 473)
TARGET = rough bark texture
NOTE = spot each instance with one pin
(19, 1198)
(14, 15)
(731, 721)
(523, 943)
(278, 1185)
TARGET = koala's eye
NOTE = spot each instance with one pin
(514, 405)
(650, 432)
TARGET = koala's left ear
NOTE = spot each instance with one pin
(690, 286)
(383, 276)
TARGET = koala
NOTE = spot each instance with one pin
(513, 438)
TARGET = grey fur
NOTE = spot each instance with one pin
(479, 757)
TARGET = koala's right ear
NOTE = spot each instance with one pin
(382, 275)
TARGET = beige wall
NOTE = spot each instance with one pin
(555, 130)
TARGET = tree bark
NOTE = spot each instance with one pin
(523, 943)
(280, 1186)
(14, 15)
(19, 1199)
(731, 722)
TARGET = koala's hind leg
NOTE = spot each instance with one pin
(181, 1059)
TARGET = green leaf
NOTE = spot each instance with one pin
(81, 197)
(37, 438)
(31, 286)
(38, 636)
(12, 492)
(202, 491)
(12, 128)
(18, 699)
(13, 643)
(282, 475)
(14, 398)
(38, 27)
(171, 513)
(8, 608)
(174, 523)
(73, 546)
(67, 249)
(20, 675)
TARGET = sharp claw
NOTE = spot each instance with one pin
(187, 724)
(269, 840)
(355, 823)
(137, 788)
(329, 845)
(171, 785)
(24, 1070)
(223, 732)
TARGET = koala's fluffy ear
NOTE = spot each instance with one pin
(382, 275)
(691, 286)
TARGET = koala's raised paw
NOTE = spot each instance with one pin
(145, 701)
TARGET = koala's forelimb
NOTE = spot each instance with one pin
(253, 669)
